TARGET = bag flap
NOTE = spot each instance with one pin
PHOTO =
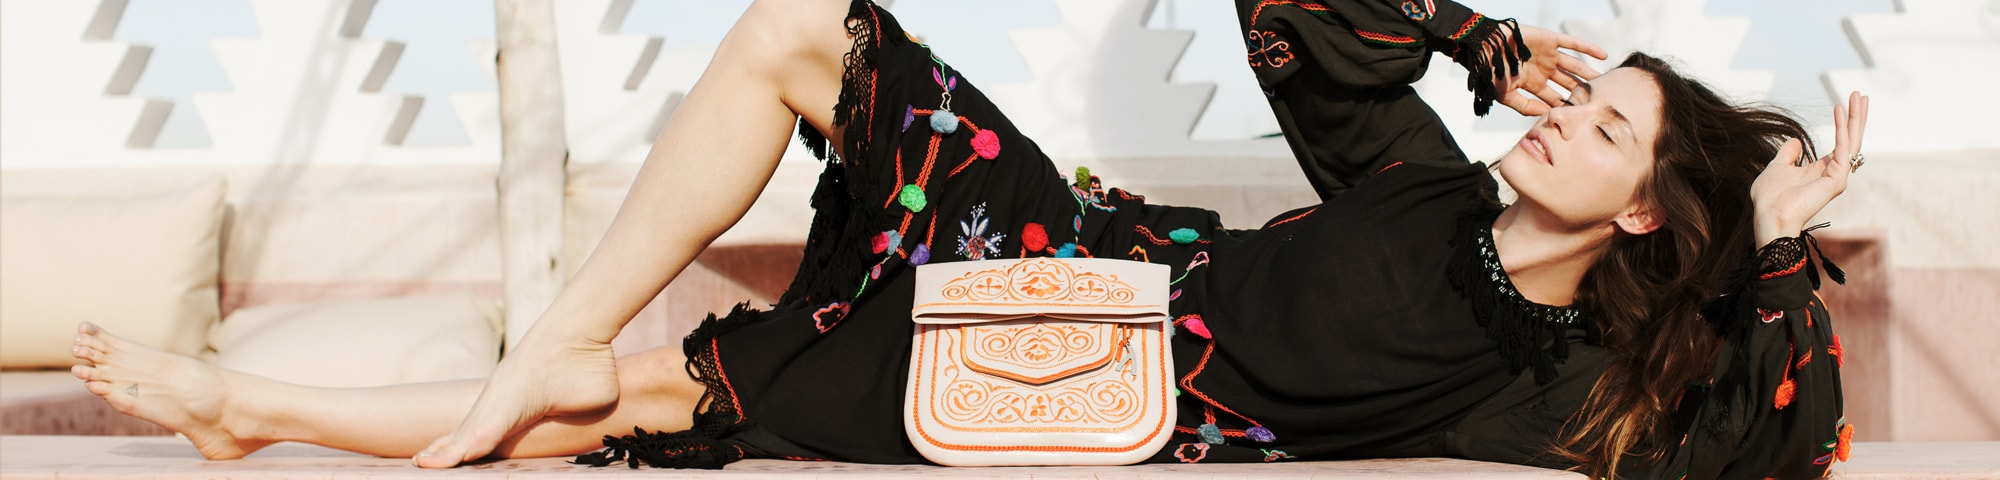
(1093, 289)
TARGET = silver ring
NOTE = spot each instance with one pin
(1854, 162)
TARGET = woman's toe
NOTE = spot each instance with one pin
(98, 388)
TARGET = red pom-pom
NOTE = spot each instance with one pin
(1784, 396)
(1194, 325)
(986, 144)
(880, 243)
(1034, 237)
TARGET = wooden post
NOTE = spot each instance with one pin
(533, 161)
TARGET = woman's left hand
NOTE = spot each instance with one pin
(1529, 91)
(1789, 193)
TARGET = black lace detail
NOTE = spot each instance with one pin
(1531, 335)
(832, 268)
(1806, 241)
(706, 444)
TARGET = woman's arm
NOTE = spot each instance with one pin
(1338, 74)
(1775, 406)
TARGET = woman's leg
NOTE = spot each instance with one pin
(781, 60)
(560, 390)
(229, 414)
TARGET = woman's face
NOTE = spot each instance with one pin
(1584, 160)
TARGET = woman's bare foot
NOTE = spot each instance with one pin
(547, 376)
(176, 392)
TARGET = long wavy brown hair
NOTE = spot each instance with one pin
(1646, 292)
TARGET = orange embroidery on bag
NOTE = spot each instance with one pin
(1108, 403)
(1037, 282)
(1041, 348)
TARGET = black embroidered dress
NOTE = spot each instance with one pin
(1376, 324)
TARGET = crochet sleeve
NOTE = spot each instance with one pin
(1338, 75)
(1774, 407)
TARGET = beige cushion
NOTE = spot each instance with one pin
(361, 343)
(142, 262)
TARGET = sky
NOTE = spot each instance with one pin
(1796, 39)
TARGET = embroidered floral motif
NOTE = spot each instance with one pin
(1191, 452)
(975, 243)
(1410, 9)
(1272, 455)
(1268, 49)
(1770, 315)
(1089, 193)
(824, 322)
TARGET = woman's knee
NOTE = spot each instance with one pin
(812, 31)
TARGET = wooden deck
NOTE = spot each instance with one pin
(107, 457)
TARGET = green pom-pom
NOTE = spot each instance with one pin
(1083, 177)
(1209, 433)
(1183, 236)
(912, 198)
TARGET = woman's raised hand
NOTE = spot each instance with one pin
(1528, 91)
(1790, 192)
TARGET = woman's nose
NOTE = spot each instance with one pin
(1560, 117)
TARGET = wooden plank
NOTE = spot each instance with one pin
(533, 159)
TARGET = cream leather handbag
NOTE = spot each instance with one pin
(1040, 361)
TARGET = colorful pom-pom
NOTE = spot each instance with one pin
(921, 256)
(943, 121)
(1209, 433)
(1195, 326)
(912, 198)
(1846, 444)
(1839, 354)
(1183, 236)
(1034, 237)
(880, 243)
(1200, 258)
(909, 116)
(986, 144)
(1177, 391)
(1067, 250)
(1785, 392)
(1260, 434)
(1082, 177)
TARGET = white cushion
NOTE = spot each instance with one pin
(142, 262)
(362, 343)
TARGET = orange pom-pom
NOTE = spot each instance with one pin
(1839, 354)
(1846, 442)
(1784, 397)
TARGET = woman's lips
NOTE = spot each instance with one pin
(1532, 143)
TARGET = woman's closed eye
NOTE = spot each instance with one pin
(1600, 129)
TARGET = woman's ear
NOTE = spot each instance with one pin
(1638, 220)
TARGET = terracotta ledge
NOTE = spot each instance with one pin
(34, 457)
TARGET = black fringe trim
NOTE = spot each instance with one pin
(705, 444)
(1491, 58)
(1530, 335)
(833, 265)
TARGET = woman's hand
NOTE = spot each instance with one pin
(1789, 192)
(1528, 91)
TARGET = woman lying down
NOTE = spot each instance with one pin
(1644, 309)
